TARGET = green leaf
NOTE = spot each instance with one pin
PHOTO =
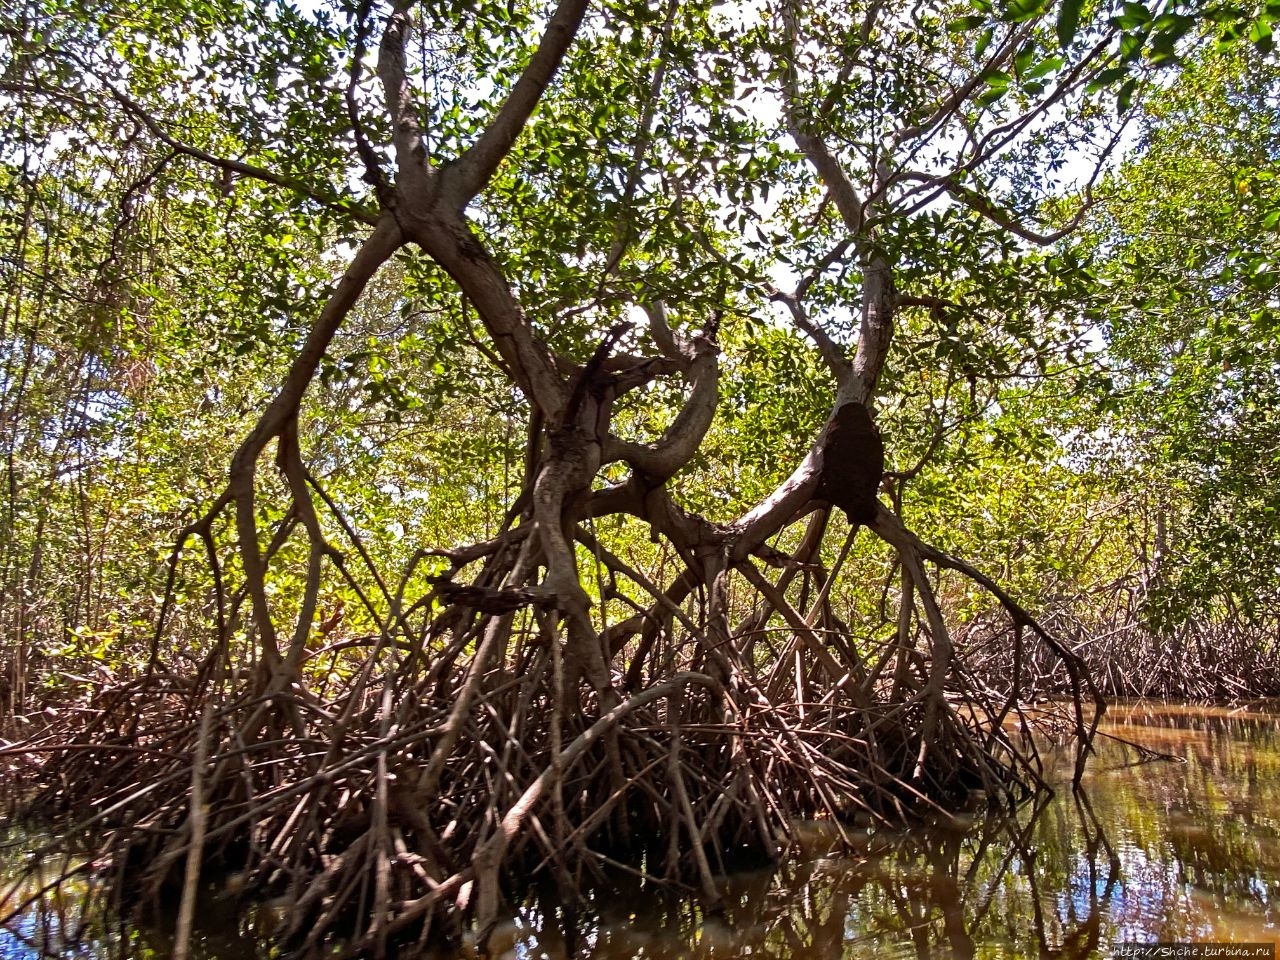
(1044, 68)
(999, 80)
(1126, 21)
(1260, 35)
(965, 24)
(1124, 98)
(1024, 59)
(984, 41)
(1138, 11)
(1176, 25)
(1225, 14)
(990, 96)
(1231, 33)
(1106, 78)
(1069, 21)
(1020, 11)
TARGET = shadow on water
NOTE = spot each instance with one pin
(1150, 850)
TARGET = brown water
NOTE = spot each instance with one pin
(1150, 851)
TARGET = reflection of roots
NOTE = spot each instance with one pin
(492, 732)
(400, 796)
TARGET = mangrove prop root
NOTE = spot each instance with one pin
(404, 787)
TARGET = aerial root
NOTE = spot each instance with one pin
(402, 789)
(335, 820)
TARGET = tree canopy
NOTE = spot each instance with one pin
(508, 430)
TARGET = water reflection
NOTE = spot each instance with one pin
(1200, 841)
(996, 889)
(1151, 850)
(62, 912)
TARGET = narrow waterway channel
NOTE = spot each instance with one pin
(1152, 850)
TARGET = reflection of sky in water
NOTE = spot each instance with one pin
(1157, 851)
(1198, 842)
(28, 939)
(14, 942)
(1148, 890)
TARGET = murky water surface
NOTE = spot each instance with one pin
(1152, 851)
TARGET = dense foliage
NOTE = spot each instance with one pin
(476, 369)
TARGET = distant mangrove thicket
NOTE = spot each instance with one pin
(450, 444)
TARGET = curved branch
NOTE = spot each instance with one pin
(377, 249)
(385, 240)
(993, 141)
(959, 95)
(449, 240)
(406, 134)
(876, 328)
(373, 172)
(839, 186)
(663, 335)
(832, 353)
(677, 446)
(893, 531)
(982, 204)
(477, 165)
(782, 505)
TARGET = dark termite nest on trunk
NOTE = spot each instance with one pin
(852, 464)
